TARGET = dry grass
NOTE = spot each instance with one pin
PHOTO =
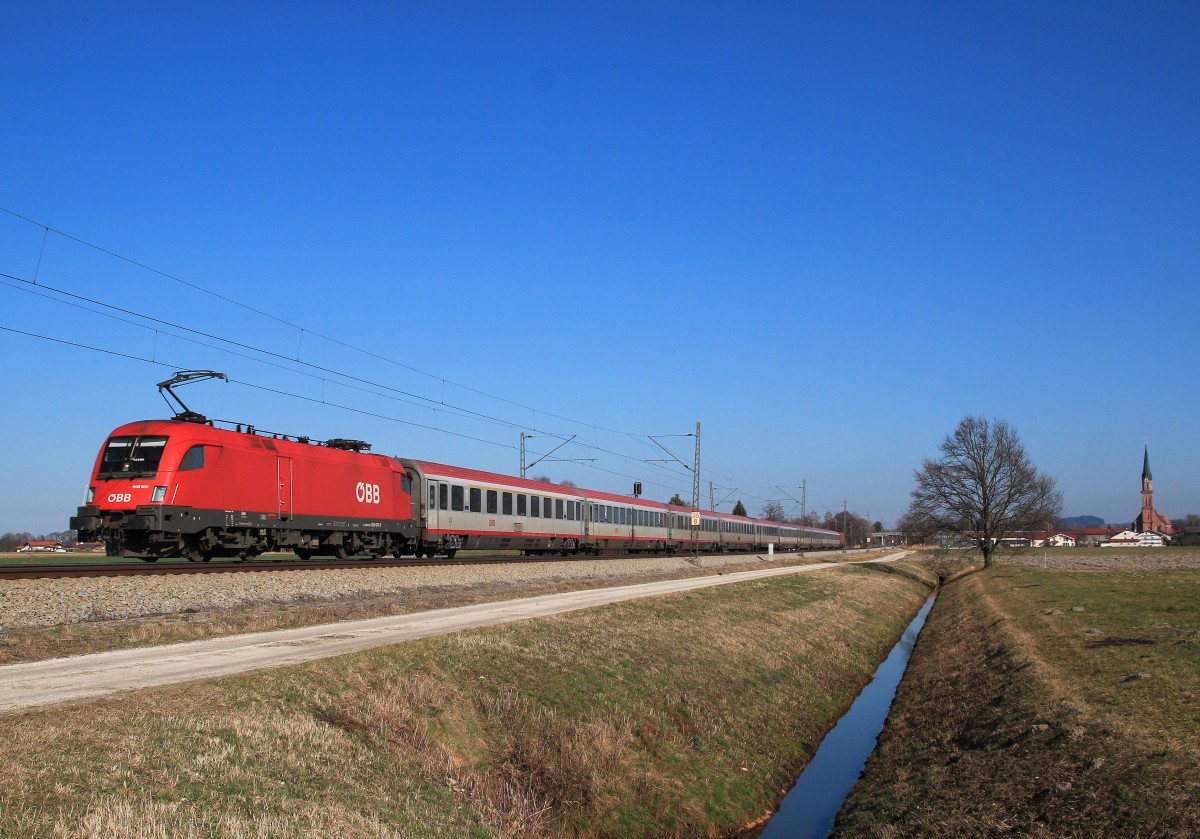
(675, 716)
(20, 645)
(1045, 702)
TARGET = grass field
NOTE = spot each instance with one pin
(679, 715)
(1055, 696)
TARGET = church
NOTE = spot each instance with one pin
(1150, 519)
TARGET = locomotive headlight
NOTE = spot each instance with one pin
(91, 495)
(159, 494)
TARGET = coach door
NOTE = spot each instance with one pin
(283, 479)
(436, 503)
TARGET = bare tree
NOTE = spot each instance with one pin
(982, 488)
(12, 541)
(772, 511)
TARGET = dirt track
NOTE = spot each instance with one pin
(25, 686)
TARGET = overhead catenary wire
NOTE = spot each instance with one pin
(247, 307)
(301, 397)
(423, 402)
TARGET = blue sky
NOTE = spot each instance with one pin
(825, 231)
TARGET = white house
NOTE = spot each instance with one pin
(1131, 539)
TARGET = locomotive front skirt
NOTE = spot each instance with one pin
(164, 488)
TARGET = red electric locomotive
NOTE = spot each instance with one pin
(165, 488)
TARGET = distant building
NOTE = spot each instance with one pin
(35, 546)
(1130, 539)
(1150, 519)
(884, 539)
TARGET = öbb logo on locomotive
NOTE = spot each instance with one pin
(166, 488)
(366, 493)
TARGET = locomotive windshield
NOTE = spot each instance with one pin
(132, 457)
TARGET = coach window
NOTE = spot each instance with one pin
(506, 503)
(547, 508)
(476, 499)
(456, 498)
(522, 509)
(432, 497)
(570, 511)
(491, 501)
(535, 505)
(193, 458)
(558, 509)
(443, 496)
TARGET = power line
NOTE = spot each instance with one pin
(302, 329)
(430, 403)
(301, 397)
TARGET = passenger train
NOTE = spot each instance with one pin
(186, 487)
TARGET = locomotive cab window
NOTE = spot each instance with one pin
(193, 458)
(129, 457)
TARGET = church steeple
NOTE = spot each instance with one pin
(1149, 518)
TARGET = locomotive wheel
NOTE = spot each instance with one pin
(340, 553)
(196, 553)
(450, 553)
(305, 553)
(419, 553)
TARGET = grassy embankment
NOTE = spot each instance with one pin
(1047, 701)
(677, 715)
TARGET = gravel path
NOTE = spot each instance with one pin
(39, 603)
(34, 684)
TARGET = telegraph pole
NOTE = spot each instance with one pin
(695, 467)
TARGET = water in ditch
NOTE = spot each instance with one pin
(808, 810)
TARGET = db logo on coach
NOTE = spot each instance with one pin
(367, 493)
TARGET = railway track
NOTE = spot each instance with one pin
(134, 569)
(140, 569)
